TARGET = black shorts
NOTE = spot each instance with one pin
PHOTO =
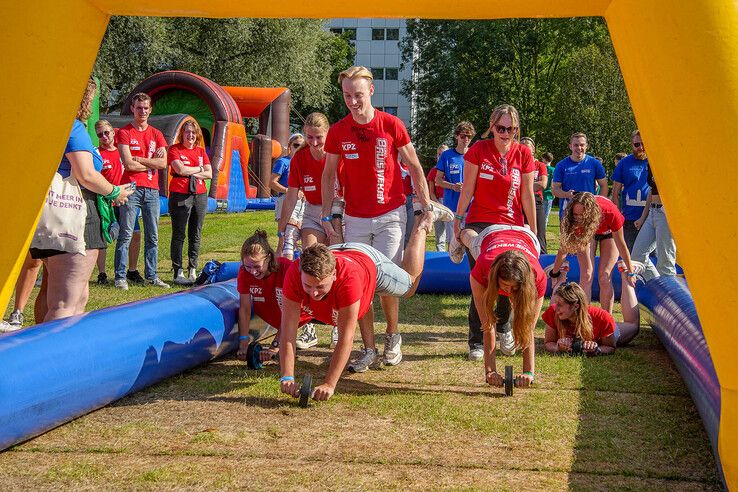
(93, 226)
(602, 237)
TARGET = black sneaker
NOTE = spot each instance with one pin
(135, 277)
(102, 278)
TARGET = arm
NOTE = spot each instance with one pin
(529, 200)
(644, 215)
(603, 186)
(560, 193)
(410, 158)
(607, 345)
(550, 340)
(619, 238)
(467, 191)
(128, 162)
(441, 181)
(541, 184)
(244, 323)
(529, 353)
(287, 338)
(327, 190)
(274, 184)
(157, 161)
(490, 365)
(83, 171)
(347, 319)
(432, 191)
(617, 189)
(287, 208)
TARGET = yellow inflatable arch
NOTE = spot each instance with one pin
(678, 59)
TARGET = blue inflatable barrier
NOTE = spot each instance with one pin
(57, 371)
(674, 319)
(164, 205)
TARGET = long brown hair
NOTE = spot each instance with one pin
(576, 238)
(571, 293)
(257, 244)
(513, 266)
(85, 106)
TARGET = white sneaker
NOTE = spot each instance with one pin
(456, 251)
(121, 283)
(307, 337)
(441, 212)
(368, 358)
(16, 318)
(180, 279)
(392, 349)
(476, 354)
(638, 269)
(334, 337)
(507, 342)
(157, 282)
(6, 327)
(193, 275)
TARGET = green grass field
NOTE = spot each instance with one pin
(624, 422)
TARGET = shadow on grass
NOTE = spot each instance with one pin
(637, 421)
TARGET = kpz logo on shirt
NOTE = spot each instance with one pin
(346, 146)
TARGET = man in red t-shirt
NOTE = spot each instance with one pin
(370, 143)
(336, 285)
(143, 152)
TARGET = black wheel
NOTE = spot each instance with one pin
(509, 380)
(253, 356)
(576, 347)
(306, 390)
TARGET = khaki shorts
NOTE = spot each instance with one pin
(385, 233)
(297, 212)
(311, 217)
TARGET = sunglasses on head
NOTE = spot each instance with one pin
(106, 133)
(504, 129)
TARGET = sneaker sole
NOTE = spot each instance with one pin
(302, 346)
(354, 370)
(394, 361)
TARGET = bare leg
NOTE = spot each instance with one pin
(89, 264)
(101, 257)
(133, 251)
(586, 270)
(608, 257)
(366, 326)
(40, 307)
(391, 308)
(631, 313)
(26, 281)
(413, 260)
(311, 237)
(466, 236)
(67, 287)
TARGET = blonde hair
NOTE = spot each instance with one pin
(571, 293)
(355, 72)
(85, 106)
(199, 140)
(314, 120)
(576, 238)
(258, 244)
(501, 111)
(513, 266)
(99, 124)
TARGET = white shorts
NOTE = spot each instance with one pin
(385, 233)
(476, 246)
(297, 212)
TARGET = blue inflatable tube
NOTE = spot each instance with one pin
(251, 204)
(57, 371)
(673, 317)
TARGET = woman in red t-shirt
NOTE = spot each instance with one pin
(571, 317)
(189, 166)
(589, 220)
(306, 170)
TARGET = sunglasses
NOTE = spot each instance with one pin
(295, 145)
(504, 129)
(637, 145)
(106, 133)
(465, 135)
(503, 166)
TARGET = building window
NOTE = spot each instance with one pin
(336, 30)
(391, 73)
(391, 110)
(393, 34)
(351, 33)
(377, 34)
(378, 73)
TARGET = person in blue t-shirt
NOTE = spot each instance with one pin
(281, 172)
(450, 175)
(578, 172)
(630, 180)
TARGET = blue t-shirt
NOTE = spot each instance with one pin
(282, 167)
(578, 176)
(632, 173)
(79, 140)
(451, 163)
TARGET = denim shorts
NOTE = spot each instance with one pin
(391, 279)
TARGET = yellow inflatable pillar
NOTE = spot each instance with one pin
(681, 70)
(48, 52)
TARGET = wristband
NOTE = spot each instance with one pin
(327, 218)
(631, 274)
(285, 379)
(202, 168)
(458, 217)
(337, 216)
(113, 194)
(243, 337)
(553, 274)
(280, 234)
(530, 373)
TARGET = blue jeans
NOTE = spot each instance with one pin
(655, 235)
(547, 205)
(147, 200)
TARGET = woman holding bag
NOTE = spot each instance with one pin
(189, 166)
(70, 258)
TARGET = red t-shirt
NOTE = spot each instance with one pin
(540, 170)
(356, 280)
(371, 180)
(306, 173)
(603, 324)
(497, 193)
(612, 220)
(266, 293)
(499, 242)
(432, 182)
(194, 157)
(112, 165)
(407, 180)
(141, 144)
